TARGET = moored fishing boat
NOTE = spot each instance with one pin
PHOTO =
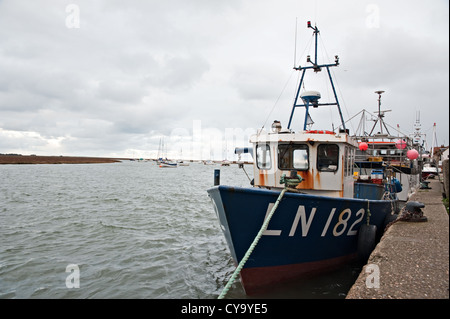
(382, 154)
(305, 211)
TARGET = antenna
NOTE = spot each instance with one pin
(380, 116)
(316, 32)
(316, 68)
(295, 43)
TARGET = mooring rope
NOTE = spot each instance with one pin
(252, 246)
(368, 213)
(288, 182)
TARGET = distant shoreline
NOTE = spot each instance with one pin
(36, 159)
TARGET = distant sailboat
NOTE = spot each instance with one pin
(168, 164)
(225, 162)
(182, 162)
(209, 162)
(164, 162)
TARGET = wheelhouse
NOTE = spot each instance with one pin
(324, 161)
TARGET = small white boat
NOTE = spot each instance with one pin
(183, 163)
(225, 163)
(168, 164)
(429, 170)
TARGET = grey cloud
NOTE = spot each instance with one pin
(137, 69)
(129, 92)
(175, 72)
(258, 81)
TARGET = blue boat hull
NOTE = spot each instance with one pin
(306, 234)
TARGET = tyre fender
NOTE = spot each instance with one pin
(366, 241)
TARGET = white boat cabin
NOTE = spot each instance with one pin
(323, 159)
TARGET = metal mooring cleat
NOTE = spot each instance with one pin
(412, 212)
(424, 185)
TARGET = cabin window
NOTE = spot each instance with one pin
(263, 159)
(293, 156)
(327, 157)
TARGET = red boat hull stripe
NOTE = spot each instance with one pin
(260, 279)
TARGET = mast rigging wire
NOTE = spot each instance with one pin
(286, 84)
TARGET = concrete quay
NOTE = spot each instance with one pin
(411, 261)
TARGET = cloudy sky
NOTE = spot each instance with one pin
(111, 78)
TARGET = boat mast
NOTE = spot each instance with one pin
(317, 68)
(159, 156)
(380, 116)
(417, 136)
(433, 140)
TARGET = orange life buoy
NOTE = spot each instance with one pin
(320, 132)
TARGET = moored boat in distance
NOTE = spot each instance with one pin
(164, 162)
(225, 163)
(167, 163)
(305, 210)
(381, 154)
(429, 170)
(182, 163)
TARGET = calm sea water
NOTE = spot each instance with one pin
(126, 230)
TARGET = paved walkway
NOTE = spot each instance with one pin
(412, 260)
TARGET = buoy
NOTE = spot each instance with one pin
(363, 146)
(412, 154)
(366, 241)
(400, 144)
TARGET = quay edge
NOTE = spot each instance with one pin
(411, 261)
